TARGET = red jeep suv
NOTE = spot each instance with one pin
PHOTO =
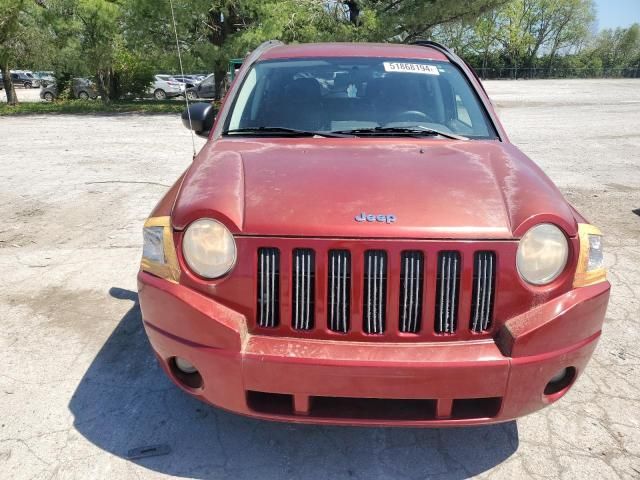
(359, 243)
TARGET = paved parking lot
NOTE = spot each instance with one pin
(79, 386)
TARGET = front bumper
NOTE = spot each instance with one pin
(361, 383)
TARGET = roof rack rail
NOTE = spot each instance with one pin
(432, 44)
(451, 56)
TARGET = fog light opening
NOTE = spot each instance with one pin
(185, 372)
(560, 381)
(184, 366)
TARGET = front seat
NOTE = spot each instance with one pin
(301, 105)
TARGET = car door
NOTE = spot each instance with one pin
(207, 88)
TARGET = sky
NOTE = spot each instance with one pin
(617, 13)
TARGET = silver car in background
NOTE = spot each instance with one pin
(165, 86)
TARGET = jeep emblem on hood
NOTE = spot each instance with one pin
(363, 217)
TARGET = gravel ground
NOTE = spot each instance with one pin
(79, 386)
(24, 95)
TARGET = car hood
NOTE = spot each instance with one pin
(410, 188)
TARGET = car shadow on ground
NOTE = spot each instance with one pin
(124, 401)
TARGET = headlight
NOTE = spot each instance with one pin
(590, 268)
(209, 248)
(158, 251)
(542, 254)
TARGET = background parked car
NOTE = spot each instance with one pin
(82, 88)
(165, 86)
(189, 81)
(24, 79)
(45, 78)
(205, 89)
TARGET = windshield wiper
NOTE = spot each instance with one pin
(285, 131)
(417, 130)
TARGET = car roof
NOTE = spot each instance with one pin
(391, 50)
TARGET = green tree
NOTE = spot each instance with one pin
(18, 38)
(231, 28)
(408, 20)
(530, 27)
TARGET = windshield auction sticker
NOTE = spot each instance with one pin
(410, 68)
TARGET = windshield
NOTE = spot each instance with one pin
(358, 94)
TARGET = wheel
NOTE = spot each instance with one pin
(27, 85)
(160, 94)
(48, 97)
(83, 95)
(191, 95)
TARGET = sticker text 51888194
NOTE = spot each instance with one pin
(410, 68)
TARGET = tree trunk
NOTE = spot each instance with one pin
(10, 90)
(354, 11)
(102, 89)
(220, 77)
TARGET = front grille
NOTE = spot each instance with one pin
(411, 278)
(303, 306)
(375, 291)
(484, 278)
(339, 294)
(389, 293)
(448, 290)
(268, 287)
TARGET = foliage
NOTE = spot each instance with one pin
(542, 38)
(122, 43)
(78, 107)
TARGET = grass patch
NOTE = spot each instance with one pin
(79, 107)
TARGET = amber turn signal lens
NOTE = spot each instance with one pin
(590, 268)
(158, 251)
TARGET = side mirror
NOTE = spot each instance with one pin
(202, 118)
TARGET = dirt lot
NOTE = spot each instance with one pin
(24, 95)
(79, 385)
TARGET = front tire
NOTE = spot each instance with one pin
(27, 85)
(83, 95)
(160, 94)
(48, 97)
(191, 95)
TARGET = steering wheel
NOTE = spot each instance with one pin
(411, 116)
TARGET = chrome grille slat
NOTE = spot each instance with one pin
(381, 304)
(267, 297)
(448, 292)
(303, 306)
(490, 279)
(268, 287)
(406, 281)
(483, 271)
(418, 289)
(411, 291)
(375, 298)
(453, 298)
(345, 292)
(332, 290)
(339, 295)
(309, 294)
(369, 296)
(484, 287)
(442, 279)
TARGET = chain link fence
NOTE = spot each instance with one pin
(539, 73)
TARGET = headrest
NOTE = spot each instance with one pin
(304, 88)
